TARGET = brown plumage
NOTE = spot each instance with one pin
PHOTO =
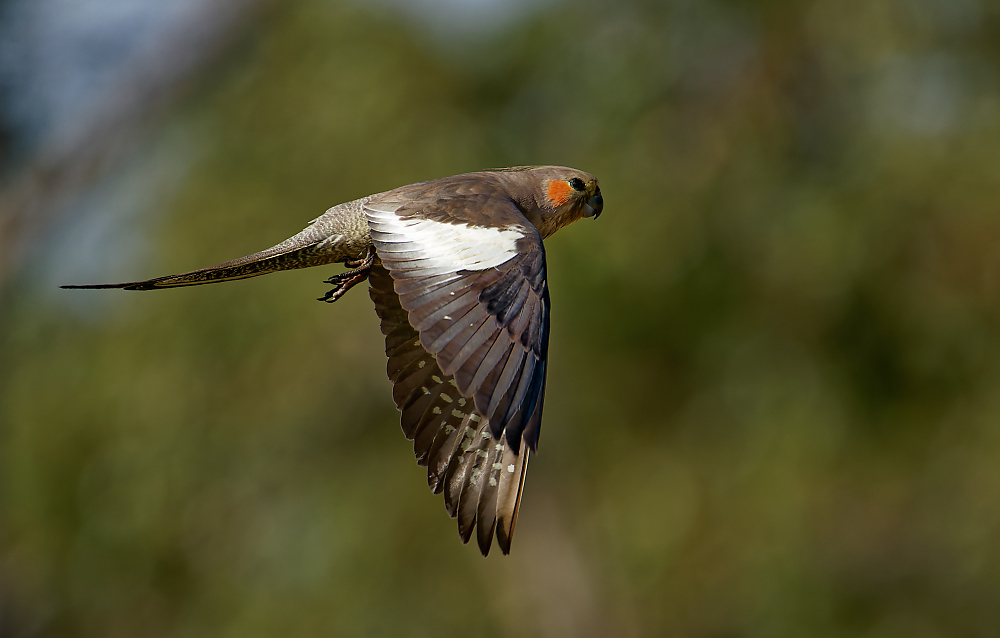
(456, 268)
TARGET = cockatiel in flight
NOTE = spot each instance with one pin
(456, 268)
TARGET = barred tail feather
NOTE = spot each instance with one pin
(262, 263)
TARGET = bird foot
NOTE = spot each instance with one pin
(347, 280)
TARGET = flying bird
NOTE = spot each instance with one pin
(456, 268)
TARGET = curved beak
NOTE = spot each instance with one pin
(595, 204)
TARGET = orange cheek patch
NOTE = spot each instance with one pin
(558, 192)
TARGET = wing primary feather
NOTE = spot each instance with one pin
(419, 296)
(447, 345)
(426, 430)
(509, 495)
(457, 473)
(426, 316)
(502, 396)
(518, 325)
(411, 416)
(466, 361)
(398, 336)
(463, 375)
(497, 356)
(486, 517)
(505, 314)
(443, 449)
(533, 427)
(517, 414)
(468, 505)
(403, 359)
(411, 378)
(499, 294)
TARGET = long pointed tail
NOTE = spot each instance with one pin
(284, 256)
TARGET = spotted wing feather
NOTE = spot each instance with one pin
(473, 468)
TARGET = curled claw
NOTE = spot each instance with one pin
(347, 280)
(364, 262)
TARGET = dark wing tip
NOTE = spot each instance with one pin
(485, 544)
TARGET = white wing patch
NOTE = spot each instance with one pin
(438, 246)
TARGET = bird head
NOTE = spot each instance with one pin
(556, 196)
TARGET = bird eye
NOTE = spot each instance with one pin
(577, 184)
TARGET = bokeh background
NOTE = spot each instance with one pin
(773, 404)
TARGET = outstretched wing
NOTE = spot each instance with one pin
(475, 293)
(466, 324)
(481, 476)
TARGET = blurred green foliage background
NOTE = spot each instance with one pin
(773, 403)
